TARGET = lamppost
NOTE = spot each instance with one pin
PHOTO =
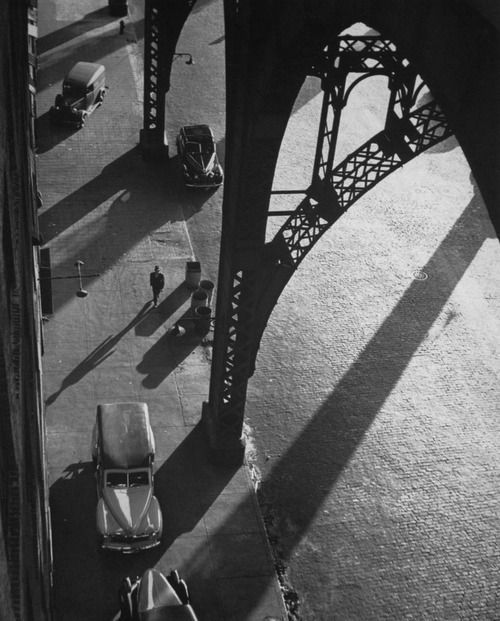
(81, 293)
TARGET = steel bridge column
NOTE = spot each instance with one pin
(153, 137)
(223, 414)
(163, 22)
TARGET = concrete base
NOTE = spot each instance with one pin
(154, 143)
(228, 452)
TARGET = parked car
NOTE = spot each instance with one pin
(83, 91)
(128, 514)
(155, 597)
(198, 155)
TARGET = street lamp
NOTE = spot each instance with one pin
(81, 293)
(189, 60)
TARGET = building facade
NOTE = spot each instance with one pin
(25, 544)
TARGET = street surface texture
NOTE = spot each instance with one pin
(103, 205)
(372, 417)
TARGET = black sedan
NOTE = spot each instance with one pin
(200, 165)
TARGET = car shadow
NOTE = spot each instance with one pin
(49, 135)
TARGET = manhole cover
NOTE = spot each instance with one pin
(419, 275)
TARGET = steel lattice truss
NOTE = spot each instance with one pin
(254, 288)
(357, 174)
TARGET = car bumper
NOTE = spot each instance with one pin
(189, 182)
(129, 546)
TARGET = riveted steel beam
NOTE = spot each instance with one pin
(163, 22)
(253, 274)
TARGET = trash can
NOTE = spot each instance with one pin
(199, 298)
(202, 316)
(208, 286)
(193, 274)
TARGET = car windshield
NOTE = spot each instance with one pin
(116, 479)
(205, 148)
(127, 479)
(72, 91)
(136, 479)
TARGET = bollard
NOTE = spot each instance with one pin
(199, 298)
(193, 274)
(202, 316)
(208, 286)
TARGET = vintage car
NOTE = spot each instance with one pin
(128, 516)
(83, 91)
(155, 597)
(200, 165)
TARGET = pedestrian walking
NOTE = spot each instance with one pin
(122, 26)
(157, 282)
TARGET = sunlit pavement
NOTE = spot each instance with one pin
(374, 407)
(104, 206)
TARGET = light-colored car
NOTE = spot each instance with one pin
(128, 514)
(154, 597)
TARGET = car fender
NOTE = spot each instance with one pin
(106, 523)
(153, 520)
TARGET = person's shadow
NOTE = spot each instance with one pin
(165, 309)
(100, 353)
(169, 352)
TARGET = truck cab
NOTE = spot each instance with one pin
(128, 515)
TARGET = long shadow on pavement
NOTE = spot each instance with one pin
(74, 29)
(99, 355)
(53, 67)
(86, 581)
(165, 309)
(167, 354)
(302, 478)
(149, 196)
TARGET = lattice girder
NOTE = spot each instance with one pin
(254, 273)
(352, 178)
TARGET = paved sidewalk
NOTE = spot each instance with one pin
(104, 206)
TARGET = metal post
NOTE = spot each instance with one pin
(153, 137)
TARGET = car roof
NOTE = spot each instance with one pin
(84, 73)
(125, 434)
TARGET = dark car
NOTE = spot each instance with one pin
(155, 597)
(83, 91)
(200, 165)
